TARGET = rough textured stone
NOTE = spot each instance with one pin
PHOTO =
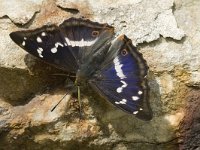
(20, 12)
(168, 35)
(13, 56)
(140, 20)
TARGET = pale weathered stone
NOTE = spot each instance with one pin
(11, 55)
(20, 12)
(140, 20)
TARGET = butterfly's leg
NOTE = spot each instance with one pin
(79, 101)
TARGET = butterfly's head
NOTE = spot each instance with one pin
(81, 78)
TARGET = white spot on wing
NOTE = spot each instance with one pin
(23, 43)
(118, 68)
(135, 98)
(58, 44)
(43, 34)
(80, 43)
(54, 49)
(135, 112)
(119, 89)
(41, 55)
(123, 101)
(39, 40)
(40, 50)
(25, 38)
(140, 92)
(141, 109)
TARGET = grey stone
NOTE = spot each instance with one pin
(140, 20)
(19, 12)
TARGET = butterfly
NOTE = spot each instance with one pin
(110, 65)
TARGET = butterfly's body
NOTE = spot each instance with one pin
(90, 66)
(112, 67)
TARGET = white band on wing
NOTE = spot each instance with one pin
(118, 68)
(80, 43)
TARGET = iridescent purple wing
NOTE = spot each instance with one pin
(121, 79)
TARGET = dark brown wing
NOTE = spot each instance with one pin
(66, 45)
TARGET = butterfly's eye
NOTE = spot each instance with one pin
(124, 52)
(95, 33)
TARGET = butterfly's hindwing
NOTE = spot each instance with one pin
(121, 79)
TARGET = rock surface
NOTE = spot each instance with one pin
(168, 35)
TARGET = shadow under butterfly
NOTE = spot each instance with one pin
(111, 66)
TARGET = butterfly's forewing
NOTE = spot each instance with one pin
(48, 44)
(63, 46)
(121, 79)
(85, 37)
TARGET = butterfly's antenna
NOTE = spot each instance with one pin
(62, 74)
(59, 102)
